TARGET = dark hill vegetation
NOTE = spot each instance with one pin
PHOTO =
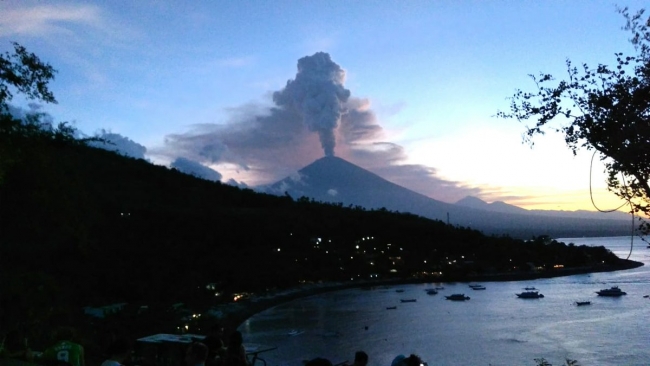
(84, 226)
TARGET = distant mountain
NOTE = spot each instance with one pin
(334, 180)
(499, 206)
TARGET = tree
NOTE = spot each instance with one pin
(26, 73)
(23, 72)
(605, 109)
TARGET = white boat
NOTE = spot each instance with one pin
(530, 295)
(478, 287)
(614, 291)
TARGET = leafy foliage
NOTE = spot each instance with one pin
(25, 72)
(606, 109)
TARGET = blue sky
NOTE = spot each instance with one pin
(429, 76)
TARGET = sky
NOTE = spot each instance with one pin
(249, 92)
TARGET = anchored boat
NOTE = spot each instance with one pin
(614, 291)
(457, 297)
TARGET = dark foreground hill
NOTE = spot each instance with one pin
(82, 226)
(332, 179)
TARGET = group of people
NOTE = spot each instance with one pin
(361, 359)
(63, 352)
(210, 351)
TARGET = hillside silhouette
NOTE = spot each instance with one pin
(81, 226)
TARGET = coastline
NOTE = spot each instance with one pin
(251, 307)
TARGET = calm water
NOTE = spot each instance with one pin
(494, 327)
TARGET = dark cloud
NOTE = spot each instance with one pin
(267, 144)
(196, 169)
(120, 144)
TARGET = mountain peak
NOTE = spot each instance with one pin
(471, 201)
(335, 180)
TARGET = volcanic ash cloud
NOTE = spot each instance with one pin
(318, 95)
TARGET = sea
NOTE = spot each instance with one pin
(494, 327)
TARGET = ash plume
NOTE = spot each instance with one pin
(318, 95)
(259, 144)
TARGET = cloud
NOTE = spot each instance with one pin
(196, 169)
(45, 20)
(120, 144)
(36, 110)
(318, 96)
(314, 114)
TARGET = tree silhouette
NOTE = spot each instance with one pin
(608, 110)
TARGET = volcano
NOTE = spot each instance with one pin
(335, 180)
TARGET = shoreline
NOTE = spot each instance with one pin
(249, 308)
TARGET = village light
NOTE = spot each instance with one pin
(357, 247)
(278, 249)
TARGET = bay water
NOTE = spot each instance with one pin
(493, 328)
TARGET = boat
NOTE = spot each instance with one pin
(473, 286)
(457, 297)
(478, 287)
(391, 307)
(646, 296)
(408, 300)
(399, 290)
(614, 291)
(582, 303)
(440, 288)
(432, 292)
(530, 289)
(530, 295)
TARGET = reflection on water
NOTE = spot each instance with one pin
(494, 327)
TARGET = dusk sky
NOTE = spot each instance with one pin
(415, 84)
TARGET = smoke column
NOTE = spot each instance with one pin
(317, 93)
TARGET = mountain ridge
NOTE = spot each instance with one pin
(500, 206)
(335, 180)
